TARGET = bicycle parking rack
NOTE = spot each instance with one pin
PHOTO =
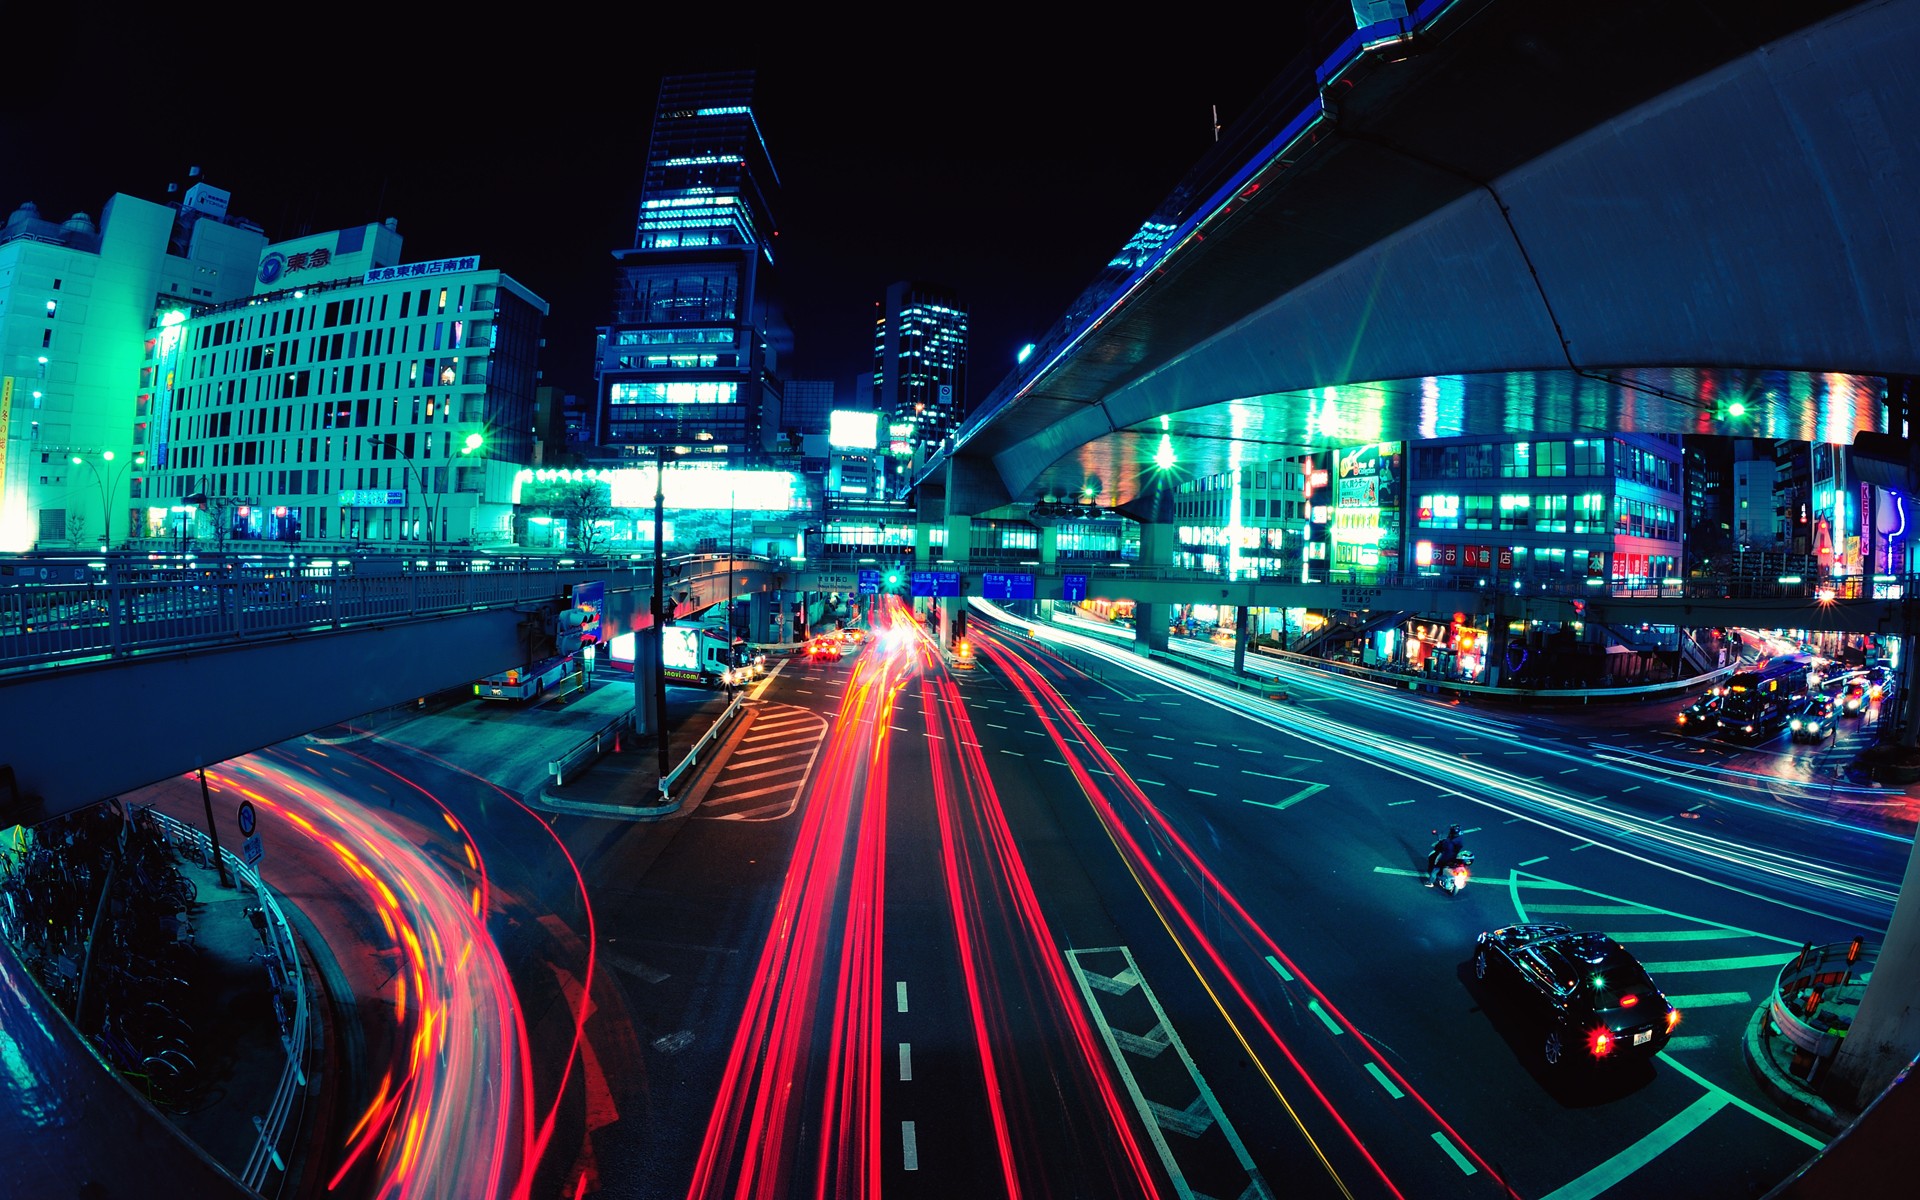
(293, 1036)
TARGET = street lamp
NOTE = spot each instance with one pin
(471, 444)
(107, 490)
(660, 596)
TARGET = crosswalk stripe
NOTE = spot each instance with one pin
(1709, 999)
(761, 762)
(1591, 910)
(1721, 964)
(764, 774)
(748, 795)
(1675, 935)
(789, 732)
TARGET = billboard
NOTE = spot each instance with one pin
(851, 429)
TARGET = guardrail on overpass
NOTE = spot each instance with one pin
(1853, 604)
(106, 686)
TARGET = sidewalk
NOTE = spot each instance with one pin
(625, 784)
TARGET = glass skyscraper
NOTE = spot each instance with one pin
(692, 355)
(920, 366)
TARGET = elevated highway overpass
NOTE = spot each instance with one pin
(1499, 218)
(113, 682)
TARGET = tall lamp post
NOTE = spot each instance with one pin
(107, 490)
(660, 598)
(472, 444)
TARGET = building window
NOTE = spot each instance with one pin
(1478, 512)
(1589, 456)
(1516, 460)
(1515, 511)
(1549, 460)
(1549, 513)
(1440, 512)
(1590, 513)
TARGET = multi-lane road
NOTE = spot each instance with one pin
(1071, 922)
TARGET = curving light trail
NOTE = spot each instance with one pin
(452, 1116)
(1765, 873)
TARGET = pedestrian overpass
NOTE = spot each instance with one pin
(128, 675)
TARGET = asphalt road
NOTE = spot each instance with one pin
(1074, 923)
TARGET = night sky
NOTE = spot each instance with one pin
(1007, 162)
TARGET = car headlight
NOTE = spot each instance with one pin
(1796, 724)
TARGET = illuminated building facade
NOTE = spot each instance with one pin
(1606, 508)
(80, 320)
(1250, 523)
(692, 355)
(919, 367)
(352, 400)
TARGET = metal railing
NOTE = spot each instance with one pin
(1812, 978)
(137, 607)
(693, 755)
(590, 748)
(293, 1038)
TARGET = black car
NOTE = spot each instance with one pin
(1592, 1000)
(1701, 713)
(1814, 720)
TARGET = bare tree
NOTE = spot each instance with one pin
(586, 507)
(76, 526)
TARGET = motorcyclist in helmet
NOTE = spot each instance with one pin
(1446, 852)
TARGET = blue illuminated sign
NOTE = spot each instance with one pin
(936, 583)
(997, 586)
(1073, 588)
(869, 581)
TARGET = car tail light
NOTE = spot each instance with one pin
(1600, 1043)
(1629, 1000)
(1673, 1018)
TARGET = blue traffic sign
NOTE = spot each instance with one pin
(936, 583)
(869, 581)
(1073, 588)
(995, 585)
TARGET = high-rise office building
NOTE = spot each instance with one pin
(1755, 521)
(919, 367)
(352, 399)
(692, 355)
(806, 406)
(78, 306)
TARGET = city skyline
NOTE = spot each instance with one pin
(1015, 196)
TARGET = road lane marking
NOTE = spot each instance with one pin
(1154, 782)
(1584, 846)
(731, 779)
(1459, 1159)
(906, 1060)
(1308, 790)
(1302, 758)
(1572, 770)
(1212, 766)
(1697, 807)
(1261, 774)
(991, 725)
(1279, 969)
(1634, 788)
(1739, 963)
(1198, 792)
(1709, 999)
(901, 728)
(909, 1148)
(1163, 737)
(1245, 750)
(1642, 1152)
(1208, 745)
(1313, 1006)
(1740, 1104)
(1397, 803)
(1168, 757)
(1703, 1041)
(1015, 753)
(1678, 935)
(900, 995)
(761, 762)
(1590, 910)
(1380, 1077)
(1532, 861)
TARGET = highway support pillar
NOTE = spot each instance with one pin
(1149, 628)
(949, 609)
(1240, 640)
(646, 708)
(760, 611)
(1157, 544)
(1885, 1033)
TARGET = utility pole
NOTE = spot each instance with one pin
(660, 603)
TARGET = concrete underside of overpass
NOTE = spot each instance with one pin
(1553, 220)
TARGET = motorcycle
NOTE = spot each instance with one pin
(1453, 875)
